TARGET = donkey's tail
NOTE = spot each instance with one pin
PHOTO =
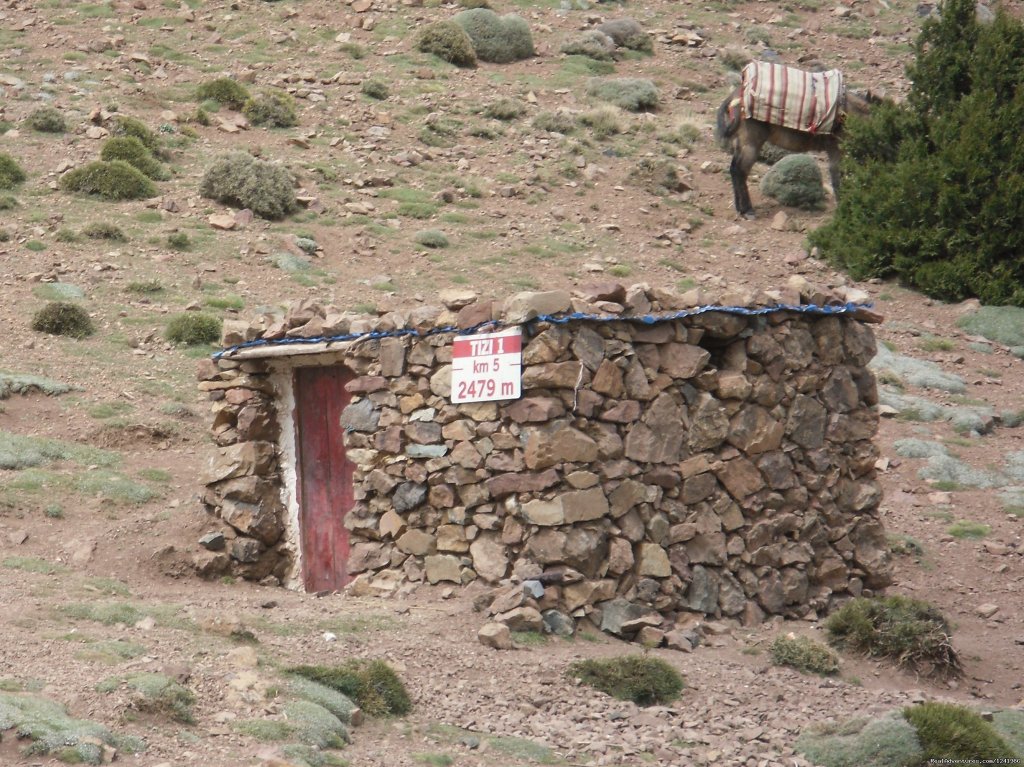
(727, 121)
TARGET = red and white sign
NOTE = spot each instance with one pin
(487, 367)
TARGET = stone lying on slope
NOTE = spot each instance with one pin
(496, 635)
(624, 618)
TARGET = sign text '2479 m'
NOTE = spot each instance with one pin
(487, 367)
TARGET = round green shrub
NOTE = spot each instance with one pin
(193, 328)
(431, 238)
(956, 733)
(273, 108)
(912, 633)
(497, 39)
(804, 654)
(11, 173)
(116, 180)
(449, 42)
(123, 125)
(592, 44)
(795, 181)
(61, 318)
(474, 3)
(375, 89)
(241, 180)
(135, 153)
(644, 680)
(634, 94)
(46, 119)
(225, 91)
(8, 202)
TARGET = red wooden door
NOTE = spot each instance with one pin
(324, 475)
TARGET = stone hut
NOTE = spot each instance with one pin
(675, 455)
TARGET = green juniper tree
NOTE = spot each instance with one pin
(934, 187)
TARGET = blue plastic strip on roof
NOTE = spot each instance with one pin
(560, 319)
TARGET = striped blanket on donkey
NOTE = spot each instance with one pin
(792, 98)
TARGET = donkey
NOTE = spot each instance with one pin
(744, 136)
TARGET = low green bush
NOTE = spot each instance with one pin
(135, 153)
(449, 42)
(497, 39)
(370, 683)
(795, 181)
(644, 680)
(61, 318)
(804, 654)
(193, 328)
(375, 89)
(627, 33)
(241, 180)
(272, 108)
(116, 180)
(225, 91)
(912, 633)
(555, 122)
(431, 238)
(955, 733)
(634, 94)
(11, 173)
(620, 31)
(504, 109)
(602, 122)
(887, 742)
(156, 694)
(103, 230)
(178, 241)
(46, 119)
(592, 44)
(123, 125)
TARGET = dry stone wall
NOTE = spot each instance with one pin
(720, 464)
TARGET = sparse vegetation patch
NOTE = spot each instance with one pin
(804, 654)
(644, 680)
(275, 109)
(911, 633)
(634, 94)
(241, 180)
(370, 683)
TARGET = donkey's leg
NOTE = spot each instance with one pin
(834, 156)
(743, 160)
